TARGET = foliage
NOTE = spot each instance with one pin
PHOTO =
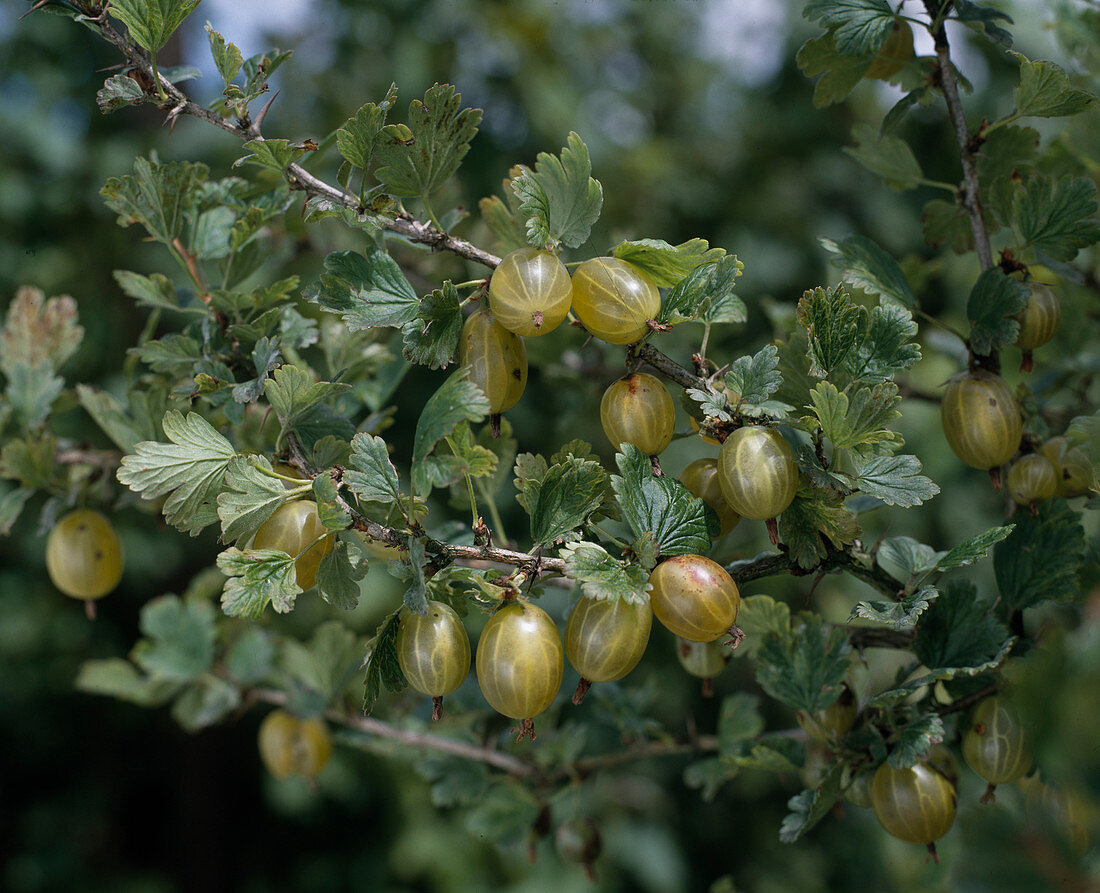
(241, 370)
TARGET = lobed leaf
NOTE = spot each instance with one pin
(179, 638)
(1044, 91)
(258, 578)
(805, 669)
(994, 302)
(415, 160)
(359, 136)
(667, 264)
(866, 266)
(858, 26)
(367, 290)
(602, 576)
(567, 494)
(189, 469)
(916, 738)
(888, 156)
(1039, 560)
(661, 506)
(559, 197)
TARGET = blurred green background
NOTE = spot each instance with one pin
(699, 124)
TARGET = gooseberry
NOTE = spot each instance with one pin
(520, 661)
(638, 409)
(530, 292)
(433, 651)
(614, 299)
(84, 555)
(292, 529)
(694, 597)
(293, 746)
(981, 419)
(605, 639)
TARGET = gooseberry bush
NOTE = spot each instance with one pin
(263, 408)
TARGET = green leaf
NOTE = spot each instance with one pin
(901, 614)
(811, 806)
(994, 302)
(984, 18)
(37, 331)
(888, 156)
(252, 494)
(947, 223)
(381, 663)
(884, 350)
(1040, 559)
(156, 195)
(257, 578)
(1044, 92)
(751, 381)
(416, 595)
(416, 160)
(761, 618)
(859, 26)
(432, 336)
(152, 22)
(568, 493)
(903, 557)
(12, 500)
(1057, 216)
(367, 290)
(857, 424)
(706, 295)
(31, 391)
(816, 513)
(805, 669)
(189, 469)
(602, 576)
(529, 470)
(457, 400)
(292, 393)
(118, 91)
(917, 737)
(373, 477)
(172, 355)
(739, 722)
(478, 459)
(959, 633)
(360, 134)
(661, 506)
(667, 264)
(559, 197)
(155, 291)
(866, 266)
(118, 678)
(840, 73)
(896, 480)
(227, 57)
(251, 656)
(205, 704)
(332, 515)
(276, 155)
(974, 548)
(327, 663)
(1005, 150)
(30, 461)
(179, 636)
(338, 579)
(833, 324)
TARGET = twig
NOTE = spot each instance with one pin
(403, 224)
(972, 190)
(380, 729)
(669, 367)
(962, 703)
